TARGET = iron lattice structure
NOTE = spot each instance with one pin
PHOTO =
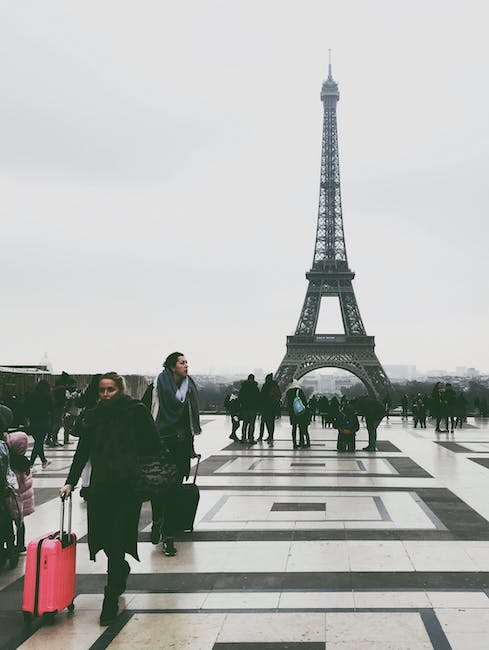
(330, 276)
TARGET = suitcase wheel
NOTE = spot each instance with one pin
(48, 617)
(71, 607)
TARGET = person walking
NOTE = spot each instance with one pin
(175, 408)
(63, 384)
(39, 410)
(249, 399)
(270, 396)
(113, 435)
(299, 419)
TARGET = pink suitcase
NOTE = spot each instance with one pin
(49, 582)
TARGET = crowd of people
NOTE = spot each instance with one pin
(124, 469)
(246, 403)
(444, 404)
(119, 470)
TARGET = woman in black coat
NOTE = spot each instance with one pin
(113, 435)
(298, 420)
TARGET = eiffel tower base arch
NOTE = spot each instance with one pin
(355, 354)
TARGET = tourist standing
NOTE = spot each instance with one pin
(175, 408)
(419, 412)
(249, 399)
(439, 406)
(17, 442)
(39, 410)
(374, 412)
(270, 396)
(347, 425)
(299, 419)
(233, 409)
(113, 435)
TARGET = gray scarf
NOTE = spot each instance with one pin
(170, 406)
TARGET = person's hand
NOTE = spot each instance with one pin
(65, 491)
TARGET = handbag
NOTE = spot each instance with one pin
(155, 474)
(298, 405)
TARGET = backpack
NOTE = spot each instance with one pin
(298, 405)
(347, 425)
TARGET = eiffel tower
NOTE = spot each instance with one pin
(330, 276)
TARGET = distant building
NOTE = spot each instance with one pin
(401, 372)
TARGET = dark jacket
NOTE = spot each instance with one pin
(347, 419)
(371, 408)
(249, 396)
(270, 396)
(113, 436)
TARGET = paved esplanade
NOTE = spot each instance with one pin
(295, 549)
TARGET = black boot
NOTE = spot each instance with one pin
(121, 582)
(110, 607)
(156, 532)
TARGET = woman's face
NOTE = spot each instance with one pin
(107, 389)
(181, 368)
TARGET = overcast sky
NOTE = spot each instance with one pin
(159, 177)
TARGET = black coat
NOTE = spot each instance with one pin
(113, 436)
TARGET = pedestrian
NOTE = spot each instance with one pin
(113, 435)
(175, 408)
(387, 404)
(374, 412)
(40, 409)
(334, 410)
(347, 425)
(419, 412)
(233, 410)
(323, 406)
(296, 402)
(405, 406)
(59, 394)
(270, 396)
(439, 406)
(313, 407)
(460, 410)
(10, 503)
(17, 442)
(249, 399)
(451, 406)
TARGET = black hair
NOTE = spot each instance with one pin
(171, 360)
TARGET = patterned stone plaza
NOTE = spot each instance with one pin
(304, 550)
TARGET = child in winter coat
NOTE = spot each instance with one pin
(9, 497)
(348, 426)
(17, 442)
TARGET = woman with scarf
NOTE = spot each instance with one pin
(175, 409)
(113, 435)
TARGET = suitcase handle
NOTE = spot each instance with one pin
(196, 468)
(65, 534)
